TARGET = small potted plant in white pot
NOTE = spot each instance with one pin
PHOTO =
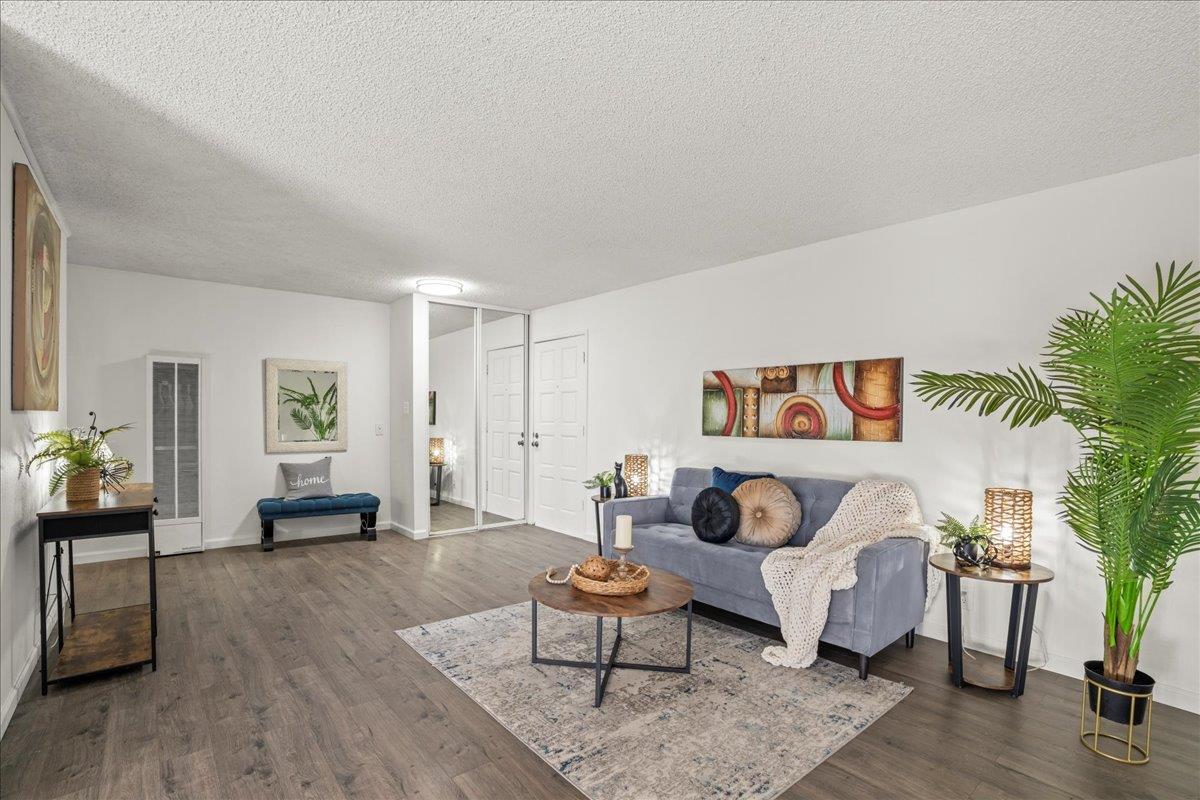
(1126, 377)
(83, 461)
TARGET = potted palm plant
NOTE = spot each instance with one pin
(1126, 377)
(83, 460)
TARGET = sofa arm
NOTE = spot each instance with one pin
(644, 510)
(889, 598)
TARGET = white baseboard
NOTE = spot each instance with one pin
(282, 534)
(13, 695)
(409, 532)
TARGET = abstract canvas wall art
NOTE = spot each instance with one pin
(37, 268)
(844, 400)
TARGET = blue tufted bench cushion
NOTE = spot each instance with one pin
(272, 508)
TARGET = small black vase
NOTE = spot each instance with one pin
(620, 487)
(605, 492)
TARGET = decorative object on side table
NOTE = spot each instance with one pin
(666, 592)
(602, 481)
(1020, 622)
(1126, 377)
(637, 474)
(437, 450)
(83, 460)
(620, 487)
(971, 544)
(1008, 514)
(623, 542)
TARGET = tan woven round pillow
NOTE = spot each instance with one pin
(770, 512)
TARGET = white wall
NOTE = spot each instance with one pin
(972, 289)
(118, 317)
(409, 375)
(20, 495)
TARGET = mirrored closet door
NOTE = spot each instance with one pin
(478, 451)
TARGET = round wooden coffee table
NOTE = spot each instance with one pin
(1016, 652)
(666, 592)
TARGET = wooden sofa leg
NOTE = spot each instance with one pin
(366, 525)
(910, 638)
(268, 535)
(864, 665)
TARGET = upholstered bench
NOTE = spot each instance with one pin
(361, 503)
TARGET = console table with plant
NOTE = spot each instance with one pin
(1126, 376)
(97, 503)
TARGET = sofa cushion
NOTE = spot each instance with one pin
(729, 481)
(770, 513)
(733, 568)
(685, 485)
(715, 515)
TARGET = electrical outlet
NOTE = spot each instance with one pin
(407, 408)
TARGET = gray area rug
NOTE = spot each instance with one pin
(735, 727)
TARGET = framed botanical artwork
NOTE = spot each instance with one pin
(859, 401)
(37, 276)
(305, 404)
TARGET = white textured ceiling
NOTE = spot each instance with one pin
(542, 152)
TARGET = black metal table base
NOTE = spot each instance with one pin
(604, 668)
(1020, 633)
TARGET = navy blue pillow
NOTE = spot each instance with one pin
(715, 515)
(731, 480)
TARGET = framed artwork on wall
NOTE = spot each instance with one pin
(37, 275)
(857, 401)
(433, 408)
(305, 404)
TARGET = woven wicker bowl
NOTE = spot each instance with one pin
(638, 580)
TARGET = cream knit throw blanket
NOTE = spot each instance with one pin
(801, 579)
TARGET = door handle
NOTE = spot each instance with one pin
(535, 440)
(521, 441)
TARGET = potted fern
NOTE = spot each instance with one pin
(1126, 377)
(83, 460)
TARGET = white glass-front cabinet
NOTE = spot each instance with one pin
(173, 395)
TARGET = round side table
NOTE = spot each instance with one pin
(599, 500)
(1024, 584)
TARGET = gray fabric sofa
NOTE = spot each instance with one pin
(886, 604)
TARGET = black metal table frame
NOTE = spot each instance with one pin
(1016, 651)
(437, 501)
(604, 669)
(56, 565)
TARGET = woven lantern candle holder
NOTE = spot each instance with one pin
(637, 474)
(437, 450)
(1009, 515)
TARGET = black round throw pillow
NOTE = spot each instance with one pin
(715, 515)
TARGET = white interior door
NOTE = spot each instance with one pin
(506, 432)
(559, 436)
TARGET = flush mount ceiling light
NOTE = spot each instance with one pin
(441, 287)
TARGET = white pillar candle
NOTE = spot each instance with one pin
(624, 537)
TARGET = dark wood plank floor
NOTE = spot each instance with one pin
(280, 677)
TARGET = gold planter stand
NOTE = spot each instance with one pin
(1092, 739)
